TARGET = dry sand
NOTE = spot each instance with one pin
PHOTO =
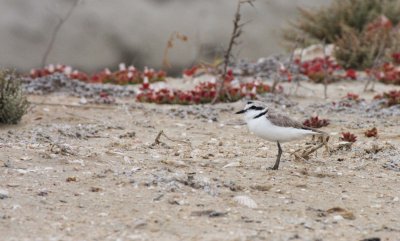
(71, 172)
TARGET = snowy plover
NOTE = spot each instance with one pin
(274, 126)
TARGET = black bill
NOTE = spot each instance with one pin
(240, 112)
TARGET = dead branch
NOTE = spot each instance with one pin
(299, 85)
(161, 133)
(297, 80)
(56, 31)
(157, 140)
(376, 62)
(236, 32)
(326, 74)
(170, 44)
(278, 80)
(305, 154)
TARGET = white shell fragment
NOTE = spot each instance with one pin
(233, 164)
(245, 201)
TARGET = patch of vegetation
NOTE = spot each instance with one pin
(203, 93)
(316, 122)
(371, 132)
(362, 30)
(124, 76)
(365, 49)
(13, 102)
(328, 23)
(391, 97)
(348, 137)
(352, 97)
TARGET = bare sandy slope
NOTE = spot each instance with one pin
(92, 173)
(103, 33)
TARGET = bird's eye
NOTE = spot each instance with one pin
(249, 102)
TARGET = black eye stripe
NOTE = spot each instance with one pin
(256, 108)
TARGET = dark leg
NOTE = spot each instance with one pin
(278, 157)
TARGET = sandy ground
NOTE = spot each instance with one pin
(73, 172)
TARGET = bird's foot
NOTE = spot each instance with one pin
(272, 168)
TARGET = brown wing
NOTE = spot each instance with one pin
(285, 121)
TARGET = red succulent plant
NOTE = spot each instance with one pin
(396, 57)
(351, 74)
(316, 122)
(317, 68)
(371, 132)
(203, 93)
(191, 71)
(123, 76)
(352, 96)
(349, 137)
(391, 98)
(389, 74)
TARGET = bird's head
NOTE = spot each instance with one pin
(253, 110)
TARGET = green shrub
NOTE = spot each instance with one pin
(361, 50)
(326, 24)
(13, 102)
(344, 23)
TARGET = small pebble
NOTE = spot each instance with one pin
(338, 218)
(4, 194)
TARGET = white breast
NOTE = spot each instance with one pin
(263, 128)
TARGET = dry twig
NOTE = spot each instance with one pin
(291, 59)
(326, 74)
(237, 31)
(157, 140)
(376, 62)
(295, 78)
(170, 45)
(56, 30)
(161, 133)
(305, 153)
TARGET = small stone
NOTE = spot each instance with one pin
(95, 189)
(4, 194)
(376, 206)
(71, 179)
(343, 213)
(338, 218)
(130, 134)
(83, 101)
(371, 239)
(209, 213)
(43, 193)
(176, 163)
(261, 187)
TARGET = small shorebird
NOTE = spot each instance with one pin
(274, 126)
